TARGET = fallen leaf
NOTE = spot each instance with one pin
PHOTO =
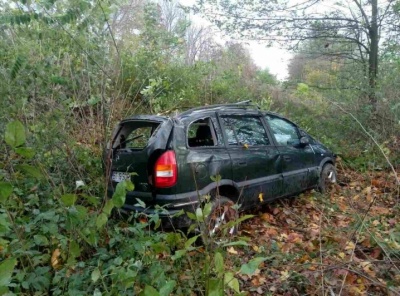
(376, 253)
(368, 268)
(376, 223)
(350, 246)
(54, 258)
(232, 250)
(268, 218)
(284, 275)
(294, 238)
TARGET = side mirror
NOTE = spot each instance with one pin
(304, 141)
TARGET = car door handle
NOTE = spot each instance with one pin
(242, 163)
(287, 158)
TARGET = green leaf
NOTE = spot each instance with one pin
(191, 216)
(178, 254)
(149, 291)
(6, 270)
(19, 61)
(207, 209)
(237, 243)
(129, 185)
(101, 220)
(250, 267)
(216, 178)
(243, 218)
(69, 199)
(119, 195)
(190, 241)
(140, 203)
(219, 263)
(231, 282)
(15, 134)
(167, 289)
(74, 249)
(26, 152)
(215, 287)
(95, 274)
(108, 207)
(30, 170)
(40, 240)
(199, 215)
(5, 191)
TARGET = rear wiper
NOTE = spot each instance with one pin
(130, 140)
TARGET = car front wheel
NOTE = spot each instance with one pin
(328, 176)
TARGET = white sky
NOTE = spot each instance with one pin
(273, 58)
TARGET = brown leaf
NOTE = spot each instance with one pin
(232, 250)
(267, 218)
(376, 253)
(275, 211)
(294, 238)
(54, 258)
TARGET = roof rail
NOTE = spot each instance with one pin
(242, 104)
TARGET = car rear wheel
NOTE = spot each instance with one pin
(328, 176)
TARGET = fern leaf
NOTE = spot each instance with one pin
(16, 67)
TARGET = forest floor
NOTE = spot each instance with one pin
(344, 243)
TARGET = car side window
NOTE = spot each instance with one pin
(201, 133)
(285, 132)
(242, 130)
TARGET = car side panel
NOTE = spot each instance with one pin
(198, 165)
(256, 171)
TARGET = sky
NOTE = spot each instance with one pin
(274, 59)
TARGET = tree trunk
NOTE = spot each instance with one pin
(373, 55)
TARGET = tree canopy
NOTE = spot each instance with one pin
(352, 30)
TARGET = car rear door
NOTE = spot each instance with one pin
(297, 161)
(203, 157)
(133, 144)
(254, 157)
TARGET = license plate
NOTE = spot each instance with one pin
(120, 176)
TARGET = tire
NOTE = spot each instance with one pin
(221, 214)
(328, 176)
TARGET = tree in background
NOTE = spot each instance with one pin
(360, 27)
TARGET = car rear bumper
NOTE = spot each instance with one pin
(170, 208)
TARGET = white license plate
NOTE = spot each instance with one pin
(120, 176)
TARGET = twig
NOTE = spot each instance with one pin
(373, 139)
(347, 269)
(320, 251)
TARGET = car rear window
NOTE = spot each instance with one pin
(135, 135)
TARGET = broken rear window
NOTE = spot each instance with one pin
(135, 135)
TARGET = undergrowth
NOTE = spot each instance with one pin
(60, 239)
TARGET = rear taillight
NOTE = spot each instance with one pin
(165, 170)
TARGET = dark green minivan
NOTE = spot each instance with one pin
(258, 156)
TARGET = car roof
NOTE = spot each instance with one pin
(146, 118)
(238, 108)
